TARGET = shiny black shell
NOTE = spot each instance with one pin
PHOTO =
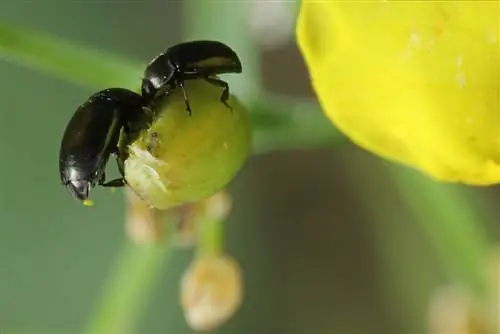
(92, 135)
(190, 60)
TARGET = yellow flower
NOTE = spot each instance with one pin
(211, 291)
(414, 82)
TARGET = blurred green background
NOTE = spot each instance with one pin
(331, 239)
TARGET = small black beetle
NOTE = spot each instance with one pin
(91, 136)
(190, 60)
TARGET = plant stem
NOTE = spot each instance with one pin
(63, 59)
(447, 216)
(128, 289)
(289, 124)
(211, 237)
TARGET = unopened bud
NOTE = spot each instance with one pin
(218, 206)
(142, 223)
(211, 291)
(194, 216)
(452, 312)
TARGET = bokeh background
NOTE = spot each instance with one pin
(328, 239)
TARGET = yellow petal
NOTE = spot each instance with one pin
(414, 82)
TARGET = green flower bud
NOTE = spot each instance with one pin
(182, 158)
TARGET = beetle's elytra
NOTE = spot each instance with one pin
(91, 136)
(191, 60)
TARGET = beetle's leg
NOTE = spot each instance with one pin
(224, 97)
(102, 178)
(188, 107)
(114, 151)
(116, 183)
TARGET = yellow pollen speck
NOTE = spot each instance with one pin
(88, 202)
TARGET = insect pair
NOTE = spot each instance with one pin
(93, 133)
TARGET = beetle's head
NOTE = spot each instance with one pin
(79, 189)
(148, 89)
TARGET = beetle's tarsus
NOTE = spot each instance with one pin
(224, 97)
(116, 183)
(115, 151)
(102, 178)
(186, 101)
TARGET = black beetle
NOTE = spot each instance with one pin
(190, 60)
(92, 135)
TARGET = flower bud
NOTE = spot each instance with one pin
(211, 291)
(452, 312)
(143, 224)
(415, 82)
(194, 216)
(182, 158)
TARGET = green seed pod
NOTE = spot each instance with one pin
(180, 158)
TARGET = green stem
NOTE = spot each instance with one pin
(65, 60)
(290, 124)
(448, 217)
(128, 289)
(211, 238)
